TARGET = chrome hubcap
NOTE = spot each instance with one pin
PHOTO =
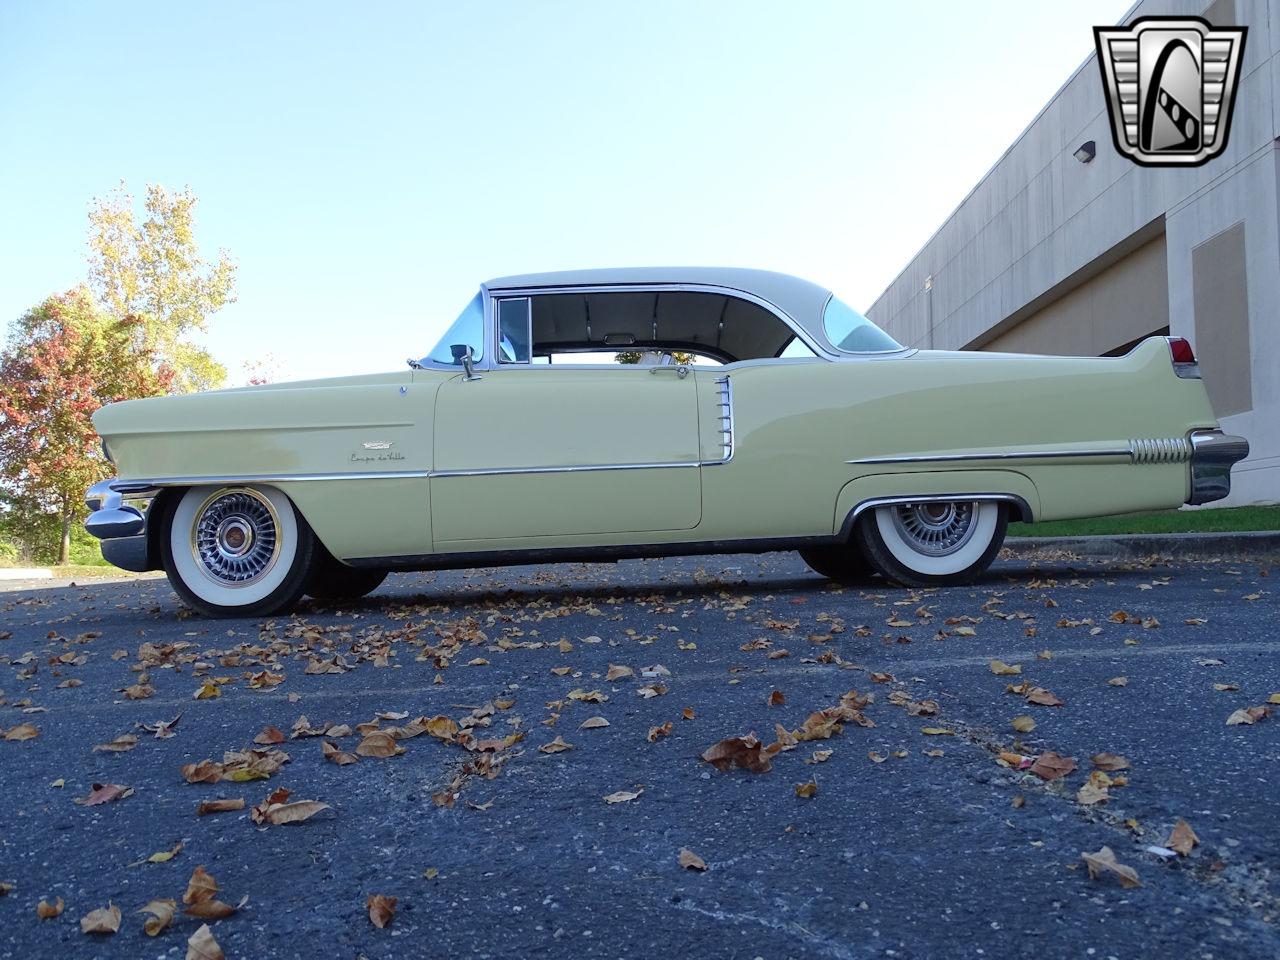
(936, 529)
(235, 537)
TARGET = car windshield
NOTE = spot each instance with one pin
(466, 331)
(850, 331)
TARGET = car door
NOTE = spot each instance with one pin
(545, 455)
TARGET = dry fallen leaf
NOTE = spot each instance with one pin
(121, 744)
(1248, 715)
(1224, 687)
(105, 920)
(688, 713)
(1109, 762)
(104, 793)
(1023, 724)
(335, 754)
(205, 807)
(1052, 766)
(1182, 839)
(662, 730)
(23, 731)
(593, 723)
(278, 814)
(200, 888)
(618, 673)
(819, 756)
(622, 796)
(1002, 669)
(208, 691)
(875, 757)
(691, 861)
(161, 916)
(382, 909)
(1104, 863)
(1118, 682)
(938, 731)
(1092, 793)
(807, 789)
(555, 746)
(1042, 697)
(777, 698)
(47, 911)
(164, 856)
(746, 752)
(379, 743)
(270, 735)
(202, 946)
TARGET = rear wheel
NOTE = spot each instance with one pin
(237, 551)
(843, 563)
(933, 543)
(334, 580)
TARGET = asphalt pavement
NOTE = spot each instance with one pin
(927, 837)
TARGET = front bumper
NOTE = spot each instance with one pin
(118, 511)
(1213, 453)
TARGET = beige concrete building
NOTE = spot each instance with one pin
(1051, 253)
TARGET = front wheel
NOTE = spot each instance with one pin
(933, 543)
(237, 551)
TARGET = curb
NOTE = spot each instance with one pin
(26, 573)
(1230, 546)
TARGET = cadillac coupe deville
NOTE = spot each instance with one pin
(752, 412)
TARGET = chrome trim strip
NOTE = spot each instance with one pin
(846, 529)
(594, 468)
(1140, 450)
(725, 387)
(996, 455)
(1160, 450)
(200, 481)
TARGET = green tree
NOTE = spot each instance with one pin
(64, 359)
(152, 276)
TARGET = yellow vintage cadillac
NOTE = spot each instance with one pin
(751, 411)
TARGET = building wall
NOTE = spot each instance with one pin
(1051, 255)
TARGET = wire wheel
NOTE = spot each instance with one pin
(934, 529)
(236, 537)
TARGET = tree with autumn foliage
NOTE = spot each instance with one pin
(64, 359)
(152, 276)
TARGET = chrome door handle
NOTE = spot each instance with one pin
(681, 371)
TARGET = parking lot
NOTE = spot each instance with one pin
(910, 820)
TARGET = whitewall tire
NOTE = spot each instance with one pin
(933, 543)
(237, 550)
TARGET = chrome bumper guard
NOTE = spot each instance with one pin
(1213, 453)
(118, 517)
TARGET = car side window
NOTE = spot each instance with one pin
(514, 330)
(645, 326)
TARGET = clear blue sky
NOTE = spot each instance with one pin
(369, 165)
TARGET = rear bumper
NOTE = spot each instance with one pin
(118, 511)
(1213, 453)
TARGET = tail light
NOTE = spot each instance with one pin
(1184, 358)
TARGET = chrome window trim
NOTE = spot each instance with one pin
(711, 288)
(844, 354)
(528, 319)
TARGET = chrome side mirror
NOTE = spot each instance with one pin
(463, 352)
